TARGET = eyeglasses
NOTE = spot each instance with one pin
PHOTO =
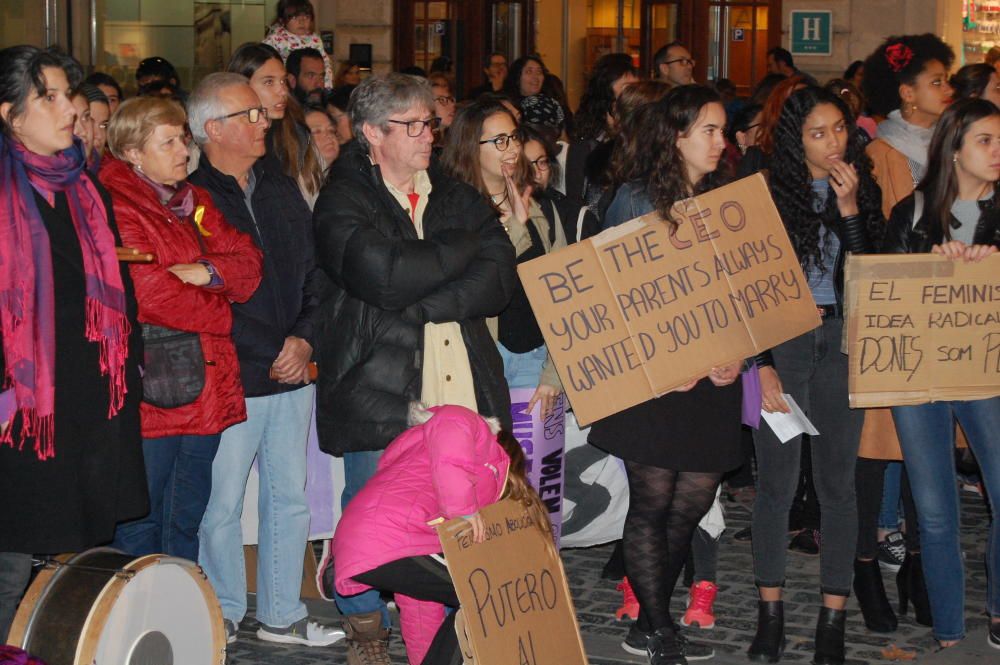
(687, 62)
(542, 163)
(445, 100)
(501, 142)
(253, 114)
(415, 128)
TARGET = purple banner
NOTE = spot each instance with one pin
(543, 441)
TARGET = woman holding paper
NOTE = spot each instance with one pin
(675, 447)
(823, 188)
(958, 218)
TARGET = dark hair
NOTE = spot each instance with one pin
(621, 166)
(940, 184)
(782, 55)
(897, 61)
(548, 140)
(339, 97)
(773, 105)
(553, 86)
(512, 84)
(159, 68)
(598, 99)
(159, 88)
(492, 54)
(764, 88)
(742, 120)
(849, 93)
(21, 74)
(725, 86)
(297, 161)
(791, 182)
(853, 68)
(442, 64)
(294, 63)
(460, 158)
(970, 81)
(289, 9)
(414, 70)
(100, 78)
(655, 161)
(660, 58)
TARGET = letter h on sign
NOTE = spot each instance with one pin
(812, 32)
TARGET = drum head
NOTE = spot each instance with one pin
(165, 615)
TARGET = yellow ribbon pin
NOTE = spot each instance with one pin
(199, 212)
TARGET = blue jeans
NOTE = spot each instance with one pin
(522, 370)
(179, 476)
(927, 435)
(358, 468)
(275, 432)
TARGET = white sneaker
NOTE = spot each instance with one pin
(305, 632)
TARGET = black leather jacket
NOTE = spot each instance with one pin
(905, 237)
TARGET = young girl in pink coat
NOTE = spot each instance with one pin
(451, 464)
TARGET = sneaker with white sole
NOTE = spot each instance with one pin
(232, 630)
(324, 572)
(304, 632)
(892, 551)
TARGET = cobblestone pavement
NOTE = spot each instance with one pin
(735, 610)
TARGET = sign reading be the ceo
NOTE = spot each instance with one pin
(812, 32)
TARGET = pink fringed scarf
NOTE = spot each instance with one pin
(27, 313)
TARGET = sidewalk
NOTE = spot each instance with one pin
(735, 610)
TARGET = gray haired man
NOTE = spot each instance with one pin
(418, 261)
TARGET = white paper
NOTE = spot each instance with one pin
(789, 425)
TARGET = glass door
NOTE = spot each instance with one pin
(29, 22)
(660, 26)
(737, 45)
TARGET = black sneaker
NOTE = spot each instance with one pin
(805, 542)
(636, 641)
(993, 636)
(232, 630)
(694, 650)
(891, 551)
(668, 646)
(743, 535)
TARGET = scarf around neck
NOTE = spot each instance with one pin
(909, 139)
(27, 311)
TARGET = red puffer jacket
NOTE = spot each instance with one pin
(164, 300)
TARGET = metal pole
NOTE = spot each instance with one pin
(93, 33)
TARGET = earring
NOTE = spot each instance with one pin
(742, 147)
(954, 158)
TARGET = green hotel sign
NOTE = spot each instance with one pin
(812, 32)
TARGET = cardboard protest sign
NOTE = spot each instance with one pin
(637, 311)
(922, 328)
(513, 590)
(543, 441)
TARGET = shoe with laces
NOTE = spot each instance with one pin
(367, 639)
(700, 606)
(636, 641)
(993, 635)
(304, 632)
(805, 542)
(630, 604)
(668, 646)
(232, 630)
(892, 551)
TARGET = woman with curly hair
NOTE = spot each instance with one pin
(959, 218)
(675, 447)
(906, 82)
(822, 185)
(594, 125)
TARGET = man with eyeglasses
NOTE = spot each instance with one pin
(274, 334)
(674, 64)
(418, 261)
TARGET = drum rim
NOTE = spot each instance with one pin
(101, 609)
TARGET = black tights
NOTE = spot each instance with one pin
(664, 508)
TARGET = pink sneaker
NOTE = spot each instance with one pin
(699, 609)
(630, 604)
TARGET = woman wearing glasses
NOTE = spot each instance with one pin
(484, 149)
(444, 106)
(200, 264)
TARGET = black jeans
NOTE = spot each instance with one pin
(813, 371)
(15, 571)
(423, 578)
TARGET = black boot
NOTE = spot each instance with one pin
(912, 587)
(769, 643)
(870, 591)
(830, 637)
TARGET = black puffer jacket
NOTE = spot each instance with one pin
(386, 284)
(903, 237)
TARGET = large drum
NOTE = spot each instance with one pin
(106, 607)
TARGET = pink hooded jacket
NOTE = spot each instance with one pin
(448, 467)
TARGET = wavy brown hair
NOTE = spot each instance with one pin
(772, 110)
(631, 107)
(518, 489)
(460, 158)
(653, 160)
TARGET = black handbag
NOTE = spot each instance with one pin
(173, 362)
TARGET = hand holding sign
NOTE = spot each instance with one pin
(956, 249)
